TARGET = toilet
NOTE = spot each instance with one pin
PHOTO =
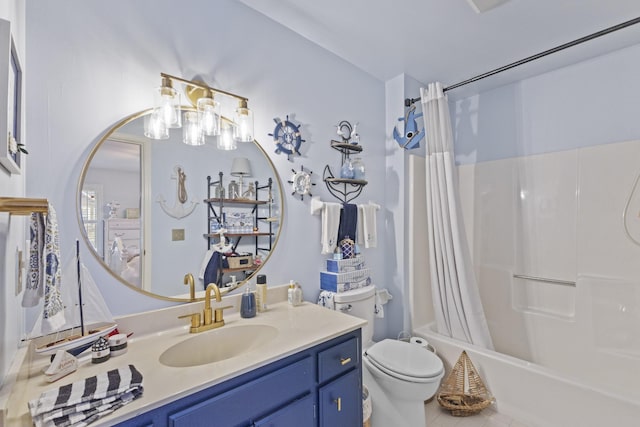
(399, 375)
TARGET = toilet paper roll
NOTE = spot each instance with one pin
(419, 341)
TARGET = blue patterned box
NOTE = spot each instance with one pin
(342, 282)
(344, 265)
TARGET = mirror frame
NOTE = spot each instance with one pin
(107, 134)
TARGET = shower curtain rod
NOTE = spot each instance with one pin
(409, 101)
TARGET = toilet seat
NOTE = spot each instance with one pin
(405, 361)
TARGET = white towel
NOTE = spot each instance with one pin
(330, 223)
(367, 234)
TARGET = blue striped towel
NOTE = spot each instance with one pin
(85, 401)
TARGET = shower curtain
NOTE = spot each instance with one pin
(456, 298)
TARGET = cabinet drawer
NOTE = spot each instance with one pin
(338, 359)
(250, 400)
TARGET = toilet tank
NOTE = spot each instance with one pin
(360, 303)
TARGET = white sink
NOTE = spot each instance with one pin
(216, 345)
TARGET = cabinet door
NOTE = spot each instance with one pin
(298, 413)
(341, 401)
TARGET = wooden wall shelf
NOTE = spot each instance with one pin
(23, 205)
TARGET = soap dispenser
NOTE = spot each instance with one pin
(248, 304)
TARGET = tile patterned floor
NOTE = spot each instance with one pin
(438, 417)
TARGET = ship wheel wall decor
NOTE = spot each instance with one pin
(287, 137)
(301, 182)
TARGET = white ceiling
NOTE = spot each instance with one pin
(447, 40)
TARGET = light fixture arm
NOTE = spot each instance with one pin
(204, 86)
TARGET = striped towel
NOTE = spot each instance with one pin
(85, 401)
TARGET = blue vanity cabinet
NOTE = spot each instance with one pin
(317, 387)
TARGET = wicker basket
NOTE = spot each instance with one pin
(463, 393)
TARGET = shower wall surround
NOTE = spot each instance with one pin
(559, 216)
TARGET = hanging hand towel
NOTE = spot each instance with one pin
(44, 270)
(53, 314)
(205, 262)
(34, 289)
(368, 216)
(348, 222)
(84, 401)
(330, 224)
(213, 270)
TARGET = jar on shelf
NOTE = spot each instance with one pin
(347, 171)
(234, 190)
(218, 192)
(358, 168)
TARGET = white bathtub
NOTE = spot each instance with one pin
(537, 396)
(569, 356)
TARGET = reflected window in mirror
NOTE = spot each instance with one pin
(91, 199)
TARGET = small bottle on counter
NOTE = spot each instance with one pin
(294, 293)
(248, 304)
(297, 295)
(261, 292)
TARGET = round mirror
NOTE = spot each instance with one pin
(154, 211)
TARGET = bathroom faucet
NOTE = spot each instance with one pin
(211, 318)
(188, 280)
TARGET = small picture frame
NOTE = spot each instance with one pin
(11, 96)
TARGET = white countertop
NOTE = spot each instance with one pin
(298, 327)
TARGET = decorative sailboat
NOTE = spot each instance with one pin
(87, 316)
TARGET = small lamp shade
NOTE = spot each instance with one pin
(240, 167)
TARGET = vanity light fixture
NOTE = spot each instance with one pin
(207, 120)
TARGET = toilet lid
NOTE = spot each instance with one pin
(405, 359)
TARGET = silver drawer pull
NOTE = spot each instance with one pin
(338, 402)
(344, 361)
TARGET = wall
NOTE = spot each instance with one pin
(95, 63)
(12, 228)
(589, 103)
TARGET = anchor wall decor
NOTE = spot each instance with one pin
(180, 209)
